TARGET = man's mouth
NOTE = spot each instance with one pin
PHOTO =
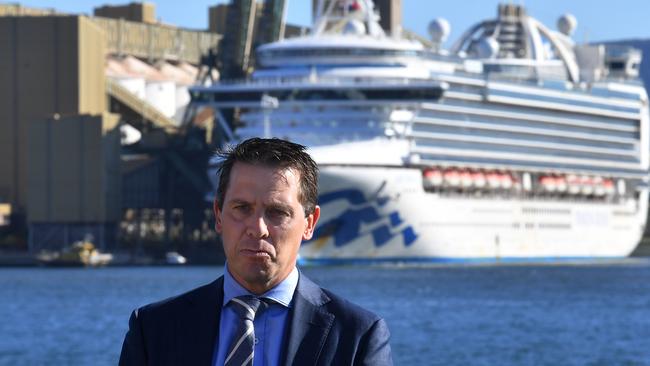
(255, 253)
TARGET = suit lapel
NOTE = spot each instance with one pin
(309, 324)
(198, 331)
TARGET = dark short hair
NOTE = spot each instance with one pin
(275, 153)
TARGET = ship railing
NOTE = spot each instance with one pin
(535, 164)
(532, 195)
(525, 70)
(321, 80)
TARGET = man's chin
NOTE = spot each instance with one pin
(258, 270)
(259, 281)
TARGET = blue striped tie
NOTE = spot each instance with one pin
(240, 352)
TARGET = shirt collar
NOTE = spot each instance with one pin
(282, 293)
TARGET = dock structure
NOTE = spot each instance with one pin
(135, 105)
(61, 116)
(154, 42)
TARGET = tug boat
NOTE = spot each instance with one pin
(79, 254)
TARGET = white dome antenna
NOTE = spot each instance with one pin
(487, 48)
(354, 26)
(566, 24)
(439, 30)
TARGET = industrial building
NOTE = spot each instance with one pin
(91, 112)
(52, 70)
(70, 83)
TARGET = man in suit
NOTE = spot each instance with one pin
(262, 311)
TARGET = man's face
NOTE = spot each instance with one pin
(262, 224)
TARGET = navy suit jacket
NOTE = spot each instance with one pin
(323, 329)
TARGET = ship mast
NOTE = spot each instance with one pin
(337, 16)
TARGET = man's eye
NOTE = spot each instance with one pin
(278, 213)
(241, 208)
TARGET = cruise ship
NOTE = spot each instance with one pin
(515, 144)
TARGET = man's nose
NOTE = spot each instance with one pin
(257, 226)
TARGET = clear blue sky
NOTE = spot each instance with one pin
(597, 19)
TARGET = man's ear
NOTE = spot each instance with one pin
(312, 220)
(217, 216)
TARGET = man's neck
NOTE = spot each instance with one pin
(281, 292)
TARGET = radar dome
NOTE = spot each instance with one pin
(375, 29)
(439, 30)
(566, 24)
(354, 27)
(488, 47)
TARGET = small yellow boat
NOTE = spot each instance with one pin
(80, 253)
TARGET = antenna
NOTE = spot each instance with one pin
(283, 25)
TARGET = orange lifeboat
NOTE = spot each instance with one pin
(493, 180)
(599, 187)
(505, 181)
(478, 179)
(516, 182)
(548, 183)
(452, 177)
(608, 185)
(432, 178)
(586, 185)
(465, 178)
(561, 183)
(573, 184)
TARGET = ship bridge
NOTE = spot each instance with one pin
(518, 45)
(515, 41)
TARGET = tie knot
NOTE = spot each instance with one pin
(247, 306)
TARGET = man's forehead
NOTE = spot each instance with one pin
(268, 201)
(281, 180)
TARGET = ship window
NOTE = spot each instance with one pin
(616, 65)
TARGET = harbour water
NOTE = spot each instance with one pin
(570, 314)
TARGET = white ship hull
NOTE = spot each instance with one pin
(384, 214)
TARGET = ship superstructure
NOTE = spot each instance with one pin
(514, 144)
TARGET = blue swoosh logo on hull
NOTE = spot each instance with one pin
(346, 227)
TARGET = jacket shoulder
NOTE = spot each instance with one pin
(175, 304)
(349, 312)
(358, 336)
